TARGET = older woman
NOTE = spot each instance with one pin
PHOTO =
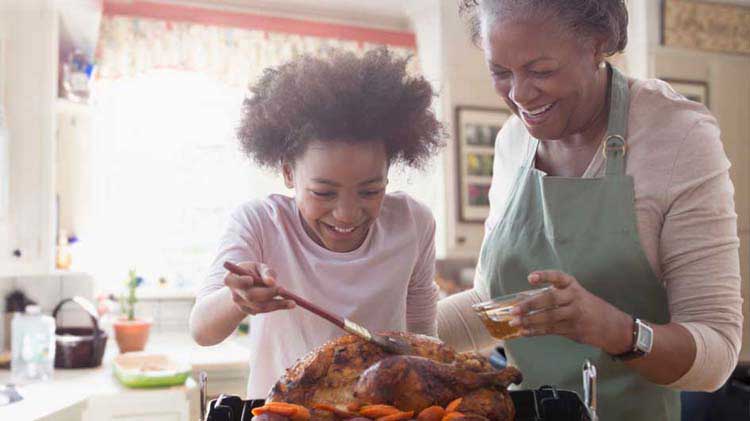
(615, 192)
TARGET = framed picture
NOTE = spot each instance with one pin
(476, 130)
(693, 90)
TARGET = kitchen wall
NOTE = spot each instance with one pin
(457, 70)
(47, 291)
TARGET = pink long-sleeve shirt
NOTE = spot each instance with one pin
(385, 284)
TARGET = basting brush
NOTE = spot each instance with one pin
(388, 343)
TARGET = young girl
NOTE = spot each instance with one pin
(333, 127)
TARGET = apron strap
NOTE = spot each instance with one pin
(614, 145)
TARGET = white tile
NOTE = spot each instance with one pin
(78, 284)
(70, 316)
(175, 311)
(173, 327)
(6, 287)
(147, 309)
(44, 290)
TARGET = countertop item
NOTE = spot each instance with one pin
(79, 347)
(71, 387)
(143, 369)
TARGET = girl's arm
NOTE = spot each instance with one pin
(215, 315)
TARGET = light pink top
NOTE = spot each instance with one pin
(385, 284)
(686, 220)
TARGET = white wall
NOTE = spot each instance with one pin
(457, 70)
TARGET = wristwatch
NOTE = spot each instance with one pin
(643, 340)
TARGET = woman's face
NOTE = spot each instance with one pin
(545, 75)
(339, 189)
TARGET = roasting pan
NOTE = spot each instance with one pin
(544, 404)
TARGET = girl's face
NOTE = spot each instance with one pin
(339, 189)
(544, 74)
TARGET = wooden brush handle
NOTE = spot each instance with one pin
(283, 292)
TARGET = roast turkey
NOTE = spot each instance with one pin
(350, 370)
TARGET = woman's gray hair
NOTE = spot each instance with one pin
(607, 19)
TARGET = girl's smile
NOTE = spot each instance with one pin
(339, 189)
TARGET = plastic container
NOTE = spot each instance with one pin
(495, 314)
(144, 370)
(32, 346)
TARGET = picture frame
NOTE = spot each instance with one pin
(694, 90)
(476, 129)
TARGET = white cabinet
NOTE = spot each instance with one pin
(29, 70)
(172, 404)
(4, 140)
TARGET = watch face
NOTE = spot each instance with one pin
(645, 337)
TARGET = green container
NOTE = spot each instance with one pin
(141, 370)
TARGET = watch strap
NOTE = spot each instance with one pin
(634, 351)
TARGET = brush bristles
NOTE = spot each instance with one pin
(392, 345)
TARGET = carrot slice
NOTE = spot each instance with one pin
(293, 411)
(453, 406)
(301, 414)
(288, 412)
(341, 413)
(259, 411)
(398, 416)
(433, 413)
(377, 411)
(452, 416)
(353, 407)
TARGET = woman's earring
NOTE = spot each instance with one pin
(603, 64)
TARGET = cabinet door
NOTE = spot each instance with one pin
(155, 404)
(30, 75)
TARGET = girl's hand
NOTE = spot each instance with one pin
(257, 293)
(571, 311)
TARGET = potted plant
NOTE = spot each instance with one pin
(131, 332)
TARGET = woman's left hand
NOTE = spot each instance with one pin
(569, 310)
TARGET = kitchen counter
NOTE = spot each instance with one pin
(70, 388)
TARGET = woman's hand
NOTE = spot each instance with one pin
(257, 293)
(571, 311)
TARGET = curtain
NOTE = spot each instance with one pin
(130, 46)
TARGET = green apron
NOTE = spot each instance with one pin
(585, 227)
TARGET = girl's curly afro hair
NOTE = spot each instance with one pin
(340, 97)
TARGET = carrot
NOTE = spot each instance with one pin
(453, 406)
(452, 416)
(433, 413)
(301, 414)
(341, 413)
(293, 411)
(353, 407)
(397, 416)
(377, 411)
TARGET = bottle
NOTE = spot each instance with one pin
(32, 346)
(63, 259)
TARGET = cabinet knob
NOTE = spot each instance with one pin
(17, 253)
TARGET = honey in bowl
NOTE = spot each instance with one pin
(495, 314)
(497, 322)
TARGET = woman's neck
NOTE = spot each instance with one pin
(596, 127)
(571, 155)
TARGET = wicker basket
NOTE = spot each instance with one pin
(79, 347)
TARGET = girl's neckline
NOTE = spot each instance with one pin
(313, 245)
